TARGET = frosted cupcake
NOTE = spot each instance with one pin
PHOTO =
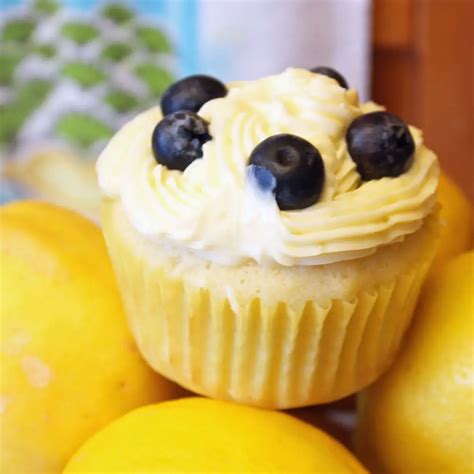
(269, 237)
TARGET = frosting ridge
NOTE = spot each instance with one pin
(213, 209)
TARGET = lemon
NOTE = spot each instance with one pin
(419, 416)
(457, 221)
(203, 435)
(60, 177)
(68, 363)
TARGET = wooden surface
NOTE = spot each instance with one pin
(423, 52)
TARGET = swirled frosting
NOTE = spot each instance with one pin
(214, 210)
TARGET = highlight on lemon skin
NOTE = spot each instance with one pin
(418, 417)
(68, 362)
(204, 435)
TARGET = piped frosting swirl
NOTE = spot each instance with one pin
(212, 209)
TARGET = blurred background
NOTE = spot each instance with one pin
(73, 71)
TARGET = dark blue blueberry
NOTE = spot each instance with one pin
(330, 72)
(178, 139)
(380, 144)
(291, 168)
(191, 93)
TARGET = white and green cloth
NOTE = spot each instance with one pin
(73, 71)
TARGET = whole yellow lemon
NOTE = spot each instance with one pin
(456, 216)
(418, 417)
(203, 435)
(68, 364)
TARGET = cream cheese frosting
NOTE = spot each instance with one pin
(213, 209)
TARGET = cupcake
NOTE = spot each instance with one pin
(269, 237)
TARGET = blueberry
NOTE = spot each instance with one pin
(191, 93)
(330, 72)
(178, 139)
(291, 168)
(380, 144)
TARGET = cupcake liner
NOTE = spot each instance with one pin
(273, 356)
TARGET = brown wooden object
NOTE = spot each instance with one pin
(423, 56)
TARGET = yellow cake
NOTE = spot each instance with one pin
(234, 296)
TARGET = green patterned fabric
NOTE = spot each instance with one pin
(81, 33)
(18, 31)
(76, 77)
(84, 74)
(116, 51)
(117, 13)
(82, 129)
(46, 6)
